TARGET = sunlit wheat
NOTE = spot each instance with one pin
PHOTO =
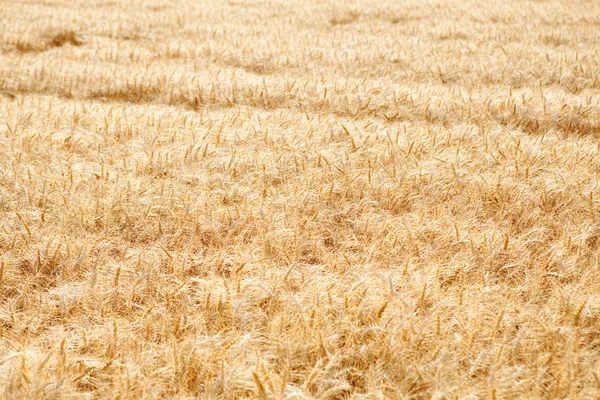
(277, 199)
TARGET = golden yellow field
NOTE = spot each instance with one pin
(312, 199)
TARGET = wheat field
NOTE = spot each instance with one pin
(294, 200)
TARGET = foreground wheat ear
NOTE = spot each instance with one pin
(299, 200)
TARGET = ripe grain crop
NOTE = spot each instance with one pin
(312, 199)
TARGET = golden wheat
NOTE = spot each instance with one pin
(277, 199)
